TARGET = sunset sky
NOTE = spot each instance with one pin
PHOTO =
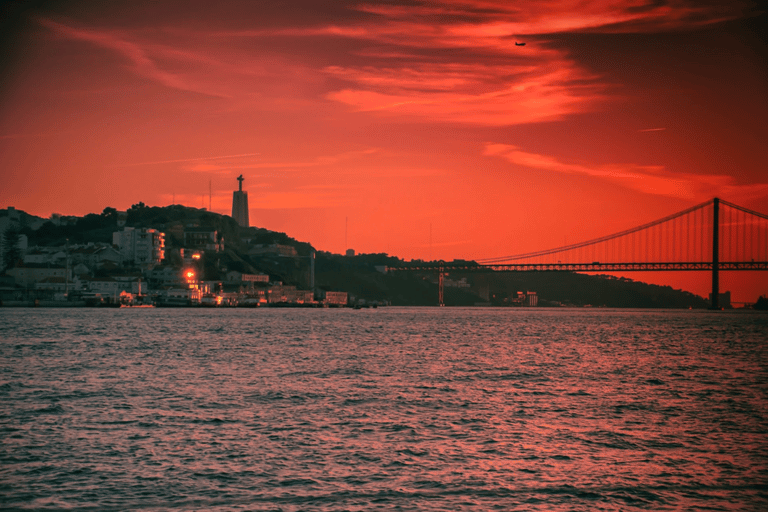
(421, 122)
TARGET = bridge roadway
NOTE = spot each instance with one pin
(595, 266)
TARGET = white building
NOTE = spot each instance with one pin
(28, 275)
(203, 239)
(54, 284)
(95, 256)
(105, 286)
(143, 246)
(42, 255)
(167, 275)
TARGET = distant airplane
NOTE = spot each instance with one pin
(519, 44)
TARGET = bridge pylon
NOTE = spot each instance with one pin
(441, 284)
(715, 254)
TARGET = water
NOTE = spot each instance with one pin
(388, 409)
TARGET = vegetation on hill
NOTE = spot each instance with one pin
(570, 288)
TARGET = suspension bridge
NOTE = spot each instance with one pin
(712, 236)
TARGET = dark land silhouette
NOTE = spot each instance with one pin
(360, 275)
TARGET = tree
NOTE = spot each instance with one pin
(11, 250)
(137, 213)
(109, 213)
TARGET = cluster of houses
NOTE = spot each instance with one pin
(134, 270)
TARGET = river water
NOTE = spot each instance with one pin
(383, 409)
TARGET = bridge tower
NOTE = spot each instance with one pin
(441, 284)
(715, 254)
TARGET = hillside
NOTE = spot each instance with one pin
(357, 275)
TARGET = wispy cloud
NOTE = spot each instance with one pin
(648, 179)
(491, 17)
(198, 159)
(532, 96)
(138, 54)
(223, 164)
(207, 165)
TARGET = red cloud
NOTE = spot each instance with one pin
(428, 67)
(499, 18)
(648, 179)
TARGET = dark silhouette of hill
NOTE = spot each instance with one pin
(358, 275)
(570, 288)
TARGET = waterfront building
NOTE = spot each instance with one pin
(239, 278)
(335, 298)
(289, 293)
(54, 284)
(181, 296)
(105, 286)
(26, 276)
(164, 275)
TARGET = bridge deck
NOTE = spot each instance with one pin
(595, 266)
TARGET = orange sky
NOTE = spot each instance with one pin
(404, 117)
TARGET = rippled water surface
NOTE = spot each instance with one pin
(407, 409)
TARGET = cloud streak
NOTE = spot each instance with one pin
(536, 96)
(648, 179)
(532, 17)
(137, 54)
(202, 158)
(318, 161)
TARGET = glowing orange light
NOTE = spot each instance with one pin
(195, 256)
(190, 274)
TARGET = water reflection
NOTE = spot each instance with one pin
(443, 409)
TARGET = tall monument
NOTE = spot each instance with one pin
(240, 204)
